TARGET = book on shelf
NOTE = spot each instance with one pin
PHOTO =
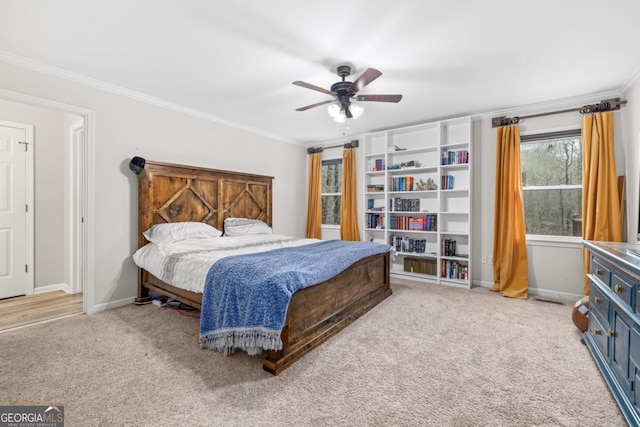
(417, 224)
(455, 157)
(422, 223)
(407, 244)
(454, 270)
(448, 247)
(375, 188)
(447, 182)
(401, 183)
(398, 204)
(421, 266)
(375, 221)
(376, 165)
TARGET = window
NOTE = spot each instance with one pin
(552, 183)
(331, 191)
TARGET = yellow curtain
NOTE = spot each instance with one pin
(348, 205)
(510, 269)
(314, 201)
(600, 203)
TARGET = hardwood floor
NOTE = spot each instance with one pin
(31, 309)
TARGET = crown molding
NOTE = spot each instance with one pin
(630, 83)
(29, 64)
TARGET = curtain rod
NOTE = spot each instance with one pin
(606, 105)
(351, 144)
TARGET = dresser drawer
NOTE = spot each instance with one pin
(599, 302)
(601, 270)
(623, 286)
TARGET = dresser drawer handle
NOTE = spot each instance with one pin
(598, 272)
(597, 331)
(617, 288)
(596, 300)
(611, 333)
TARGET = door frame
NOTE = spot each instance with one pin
(29, 200)
(76, 183)
(82, 245)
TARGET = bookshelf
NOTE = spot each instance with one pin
(417, 198)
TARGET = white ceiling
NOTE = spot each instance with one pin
(234, 61)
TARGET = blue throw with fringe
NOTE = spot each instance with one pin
(246, 297)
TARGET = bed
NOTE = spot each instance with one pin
(169, 193)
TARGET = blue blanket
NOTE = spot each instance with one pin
(246, 297)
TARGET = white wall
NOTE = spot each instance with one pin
(49, 188)
(126, 128)
(631, 123)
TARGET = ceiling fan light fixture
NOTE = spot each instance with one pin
(338, 115)
(334, 111)
(356, 110)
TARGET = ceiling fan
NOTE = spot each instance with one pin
(344, 91)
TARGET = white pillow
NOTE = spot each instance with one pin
(164, 234)
(243, 226)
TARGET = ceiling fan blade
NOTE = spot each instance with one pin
(317, 104)
(313, 87)
(379, 98)
(367, 77)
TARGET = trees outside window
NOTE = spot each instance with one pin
(552, 183)
(331, 191)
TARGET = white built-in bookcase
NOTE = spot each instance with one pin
(402, 208)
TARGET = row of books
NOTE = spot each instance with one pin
(398, 204)
(401, 183)
(375, 221)
(422, 223)
(448, 247)
(454, 270)
(452, 157)
(421, 266)
(407, 244)
(406, 183)
(447, 182)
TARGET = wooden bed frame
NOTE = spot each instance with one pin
(174, 193)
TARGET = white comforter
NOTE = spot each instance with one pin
(185, 264)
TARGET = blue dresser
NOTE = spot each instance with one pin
(613, 337)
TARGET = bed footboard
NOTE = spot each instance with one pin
(317, 313)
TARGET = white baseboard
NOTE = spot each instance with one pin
(564, 297)
(549, 294)
(112, 304)
(482, 284)
(55, 287)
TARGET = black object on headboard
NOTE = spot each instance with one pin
(137, 165)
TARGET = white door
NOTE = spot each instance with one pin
(14, 143)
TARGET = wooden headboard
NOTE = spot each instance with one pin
(176, 193)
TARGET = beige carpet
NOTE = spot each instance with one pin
(427, 356)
